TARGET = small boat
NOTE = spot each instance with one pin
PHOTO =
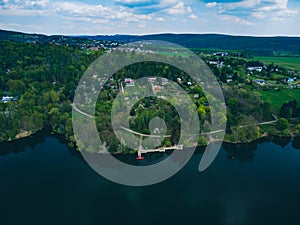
(140, 158)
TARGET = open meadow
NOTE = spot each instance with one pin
(287, 62)
(277, 98)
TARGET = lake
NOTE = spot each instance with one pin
(45, 182)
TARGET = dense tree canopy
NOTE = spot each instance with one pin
(44, 76)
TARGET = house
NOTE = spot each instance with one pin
(259, 82)
(221, 54)
(213, 62)
(220, 65)
(289, 80)
(196, 96)
(151, 79)
(217, 64)
(164, 81)
(256, 68)
(6, 99)
(113, 44)
(129, 82)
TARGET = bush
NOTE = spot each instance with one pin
(202, 141)
(297, 130)
(282, 124)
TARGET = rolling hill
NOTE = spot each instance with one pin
(269, 46)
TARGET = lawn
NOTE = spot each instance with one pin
(277, 98)
(287, 62)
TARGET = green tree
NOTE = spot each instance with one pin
(202, 141)
(17, 87)
(282, 124)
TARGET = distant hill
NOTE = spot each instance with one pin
(256, 45)
(217, 41)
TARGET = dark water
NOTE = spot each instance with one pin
(45, 182)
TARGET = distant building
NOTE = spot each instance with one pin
(220, 65)
(164, 81)
(217, 64)
(289, 80)
(221, 54)
(129, 82)
(257, 68)
(6, 99)
(151, 79)
(196, 96)
(213, 62)
(259, 82)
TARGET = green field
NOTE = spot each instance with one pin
(287, 62)
(277, 98)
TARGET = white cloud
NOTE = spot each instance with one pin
(263, 5)
(16, 26)
(235, 19)
(276, 15)
(193, 16)
(24, 8)
(86, 19)
(161, 19)
(144, 16)
(131, 1)
(259, 9)
(179, 9)
(172, 7)
(36, 4)
(211, 4)
(164, 3)
(75, 10)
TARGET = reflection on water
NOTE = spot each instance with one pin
(48, 183)
(281, 141)
(19, 146)
(241, 152)
(296, 143)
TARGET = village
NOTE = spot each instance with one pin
(248, 71)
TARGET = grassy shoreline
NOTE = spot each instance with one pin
(226, 140)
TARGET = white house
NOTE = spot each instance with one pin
(259, 82)
(6, 99)
(151, 79)
(257, 68)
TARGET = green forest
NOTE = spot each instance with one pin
(42, 77)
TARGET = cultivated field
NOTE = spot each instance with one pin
(277, 98)
(287, 62)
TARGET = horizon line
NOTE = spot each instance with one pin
(148, 34)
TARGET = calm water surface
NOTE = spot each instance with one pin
(45, 182)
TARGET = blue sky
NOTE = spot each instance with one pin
(238, 17)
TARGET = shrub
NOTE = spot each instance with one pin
(282, 124)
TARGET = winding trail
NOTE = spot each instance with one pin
(83, 113)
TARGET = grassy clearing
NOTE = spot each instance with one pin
(277, 98)
(287, 62)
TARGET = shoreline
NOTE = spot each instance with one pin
(24, 134)
(29, 134)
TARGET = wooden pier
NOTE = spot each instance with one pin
(161, 149)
